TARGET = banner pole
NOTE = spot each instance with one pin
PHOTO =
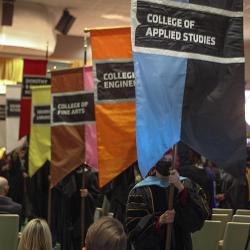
(84, 180)
(170, 201)
(49, 198)
(82, 212)
(88, 30)
(49, 191)
(47, 51)
(49, 206)
(85, 47)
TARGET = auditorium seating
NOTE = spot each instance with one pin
(236, 236)
(224, 232)
(223, 211)
(208, 237)
(9, 225)
(224, 218)
(241, 218)
(243, 212)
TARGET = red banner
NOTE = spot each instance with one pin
(34, 72)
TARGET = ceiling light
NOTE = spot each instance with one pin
(116, 17)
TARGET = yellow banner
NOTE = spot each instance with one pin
(40, 135)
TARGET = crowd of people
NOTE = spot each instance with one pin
(142, 214)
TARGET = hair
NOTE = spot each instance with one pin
(106, 234)
(4, 186)
(36, 236)
(195, 157)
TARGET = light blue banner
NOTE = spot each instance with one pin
(158, 122)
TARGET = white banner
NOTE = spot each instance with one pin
(13, 98)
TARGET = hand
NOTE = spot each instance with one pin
(167, 217)
(84, 192)
(5, 167)
(174, 179)
(220, 197)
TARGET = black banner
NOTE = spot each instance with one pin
(186, 30)
(33, 81)
(13, 108)
(75, 108)
(115, 80)
(2, 112)
(41, 114)
(235, 5)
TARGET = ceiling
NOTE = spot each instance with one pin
(89, 14)
(103, 13)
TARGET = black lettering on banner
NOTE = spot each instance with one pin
(166, 27)
(115, 80)
(2, 113)
(75, 108)
(13, 108)
(41, 114)
(33, 81)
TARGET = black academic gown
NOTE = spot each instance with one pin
(235, 191)
(147, 203)
(66, 207)
(90, 201)
(37, 193)
(117, 193)
(16, 179)
(200, 176)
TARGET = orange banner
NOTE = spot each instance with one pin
(114, 101)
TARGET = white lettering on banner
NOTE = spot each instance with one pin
(43, 117)
(40, 81)
(63, 112)
(170, 21)
(119, 80)
(118, 76)
(119, 84)
(69, 105)
(164, 32)
(178, 36)
(195, 38)
(169, 34)
(43, 112)
(14, 108)
(75, 108)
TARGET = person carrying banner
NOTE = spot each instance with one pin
(66, 207)
(148, 214)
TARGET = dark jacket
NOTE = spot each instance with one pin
(8, 206)
(66, 208)
(235, 191)
(200, 176)
(147, 203)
